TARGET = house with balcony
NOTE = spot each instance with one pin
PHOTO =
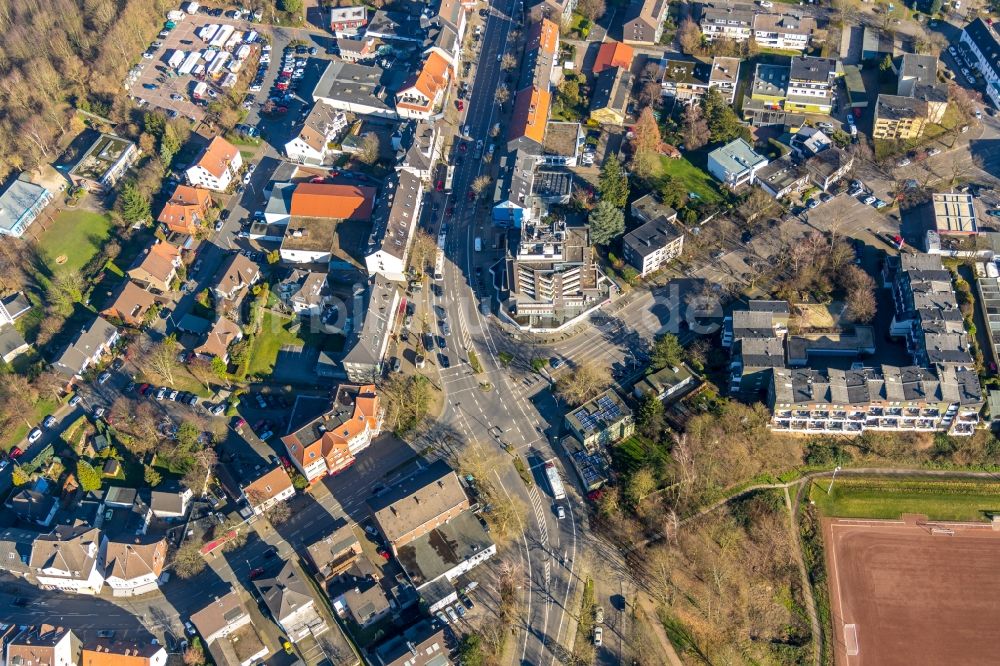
(735, 164)
(70, 558)
(603, 420)
(216, 167)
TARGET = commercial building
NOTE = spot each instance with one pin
(601, 421)
(418, 504)
(447, 550)
(735, 164)
(103, 162)
(954, 214)
(355, 88)
(70, 558)
(219, 163)
(348, 21)
(329, 443)
(20, 204)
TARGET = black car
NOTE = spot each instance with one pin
(444, 361)
(117, 363)
(442, 343)
(20, 602)
(224, 215)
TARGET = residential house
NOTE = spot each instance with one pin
(980, 40)
(12, 344)
(44, 645)
(609, 101)
(306, 293)
(15, 552)
(129, 304)
(235, 276)
(954, 214)
(788, 31)
(899, 118)
(223, 333)
(666, 383)
(810, 84)
(157, 267)
(329, 443)
(290, 601)
(768, 91)
(271, 488)
(348, 21)
(558, 11)
(685, 80)
(135, 568)
(366, 606)
(20, 204)
(613, 54)
(87, 347)
(782, 177)
(654, 243)
(423, 95)
(321, 127)
(735, 164)
(186, 210)
(396, 214)
(539, 73)
(419, 503)
(71, 559)
(216, 167)
(335, 553)
(354, 88)
(124, 654)
(223, 616)
(725, 74)
(529, 117)
(367, 343)
(423, 644)
(402, 29)
(315, 214)
(418, 146)
(829, 166)
(33, 506)
(357, 51)
(920, 99)
(103, 162)
(603, 420)
(170, 501)
(644, 22)
(12, 307)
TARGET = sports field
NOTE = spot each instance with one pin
(912, 592)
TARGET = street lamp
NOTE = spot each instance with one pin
(830, 487)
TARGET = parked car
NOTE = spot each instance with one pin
(599, 615)
(49, 421)
(598, 636)
(34, 435)
(160, 394)
(75, 400)
(104, 377)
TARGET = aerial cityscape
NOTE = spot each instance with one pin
(534, 332)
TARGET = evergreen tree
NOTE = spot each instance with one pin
(133, 206)
(607, 222)
(612, 184)
(88, 477)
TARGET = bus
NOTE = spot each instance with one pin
(449, 178)
(439, 265)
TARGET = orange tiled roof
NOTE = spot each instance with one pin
(531, 113)
(433, 76)
(186, 206)
(547, 36)
(118, 655)
(277, 480)
(334, 442)
(613, 54)
(159, 261)
(345, 202)
(217, 156)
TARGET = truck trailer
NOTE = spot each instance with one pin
(207, 32)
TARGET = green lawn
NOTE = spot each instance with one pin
(42, 408)
(888, 499)
(76, 235)
(274, 333)
(697, 181)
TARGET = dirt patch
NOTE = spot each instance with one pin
(909, 592)
(61, 259)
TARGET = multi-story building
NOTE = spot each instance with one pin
(418, 504)
(329, 443)
(135, 568)
(980, 40)
(609, 102)
(44, 645)
(323, 125)
(334, 553)
(267, 490)
(735, 164)
(119, 653)
(644, 22)
(657, 241)
(348, 21)
(423, 95)
(557, 11)
(602, 421)
(552, 274)
(685, 80)
(899, 118)
(103, 162)
(724, 76)
(216, 167)
(785, 30)
(186, 210)
(920, 99)
(378, 305)
(87, 347)
(810, 85)
(289, 599)
(539, 71)
(397, 211)
(157, 267)
(613, 54)
(782, 177)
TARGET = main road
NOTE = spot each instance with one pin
(488, 406)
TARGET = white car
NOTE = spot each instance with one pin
(952, 50)
(979, 114)
(598, 636)
(933, 151)
(251, 167)
(256, 88)
(265, 58)
(105, 376)
(869, 200)
(34, 435)
(147, 55)
(903, 162)
(246, 178)
(766, 4)
(49, 421)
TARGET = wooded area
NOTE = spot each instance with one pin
(61, 54)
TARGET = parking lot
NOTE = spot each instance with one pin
(159, 85)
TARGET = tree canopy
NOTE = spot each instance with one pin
(607, 222)
(612, 184)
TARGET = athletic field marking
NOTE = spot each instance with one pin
(851, 639)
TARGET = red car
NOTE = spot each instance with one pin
(281, 85)
(286, 462)
(143, 388)
(451, 211)
(256, 573)
(15, 452)
(439, 186)
(385, 554)
(471, 195)
(463, 147)
(318, 179)
(239, 424)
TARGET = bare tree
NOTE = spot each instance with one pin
(690, 37)
(502, 95)
(583, 383)
(368, 151)
(592, 9)
(508, 62)
(160, 360)
(480, 184)
(694, 130)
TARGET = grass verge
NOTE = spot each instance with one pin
(583, 644)
(884, 498)
(42, 408)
